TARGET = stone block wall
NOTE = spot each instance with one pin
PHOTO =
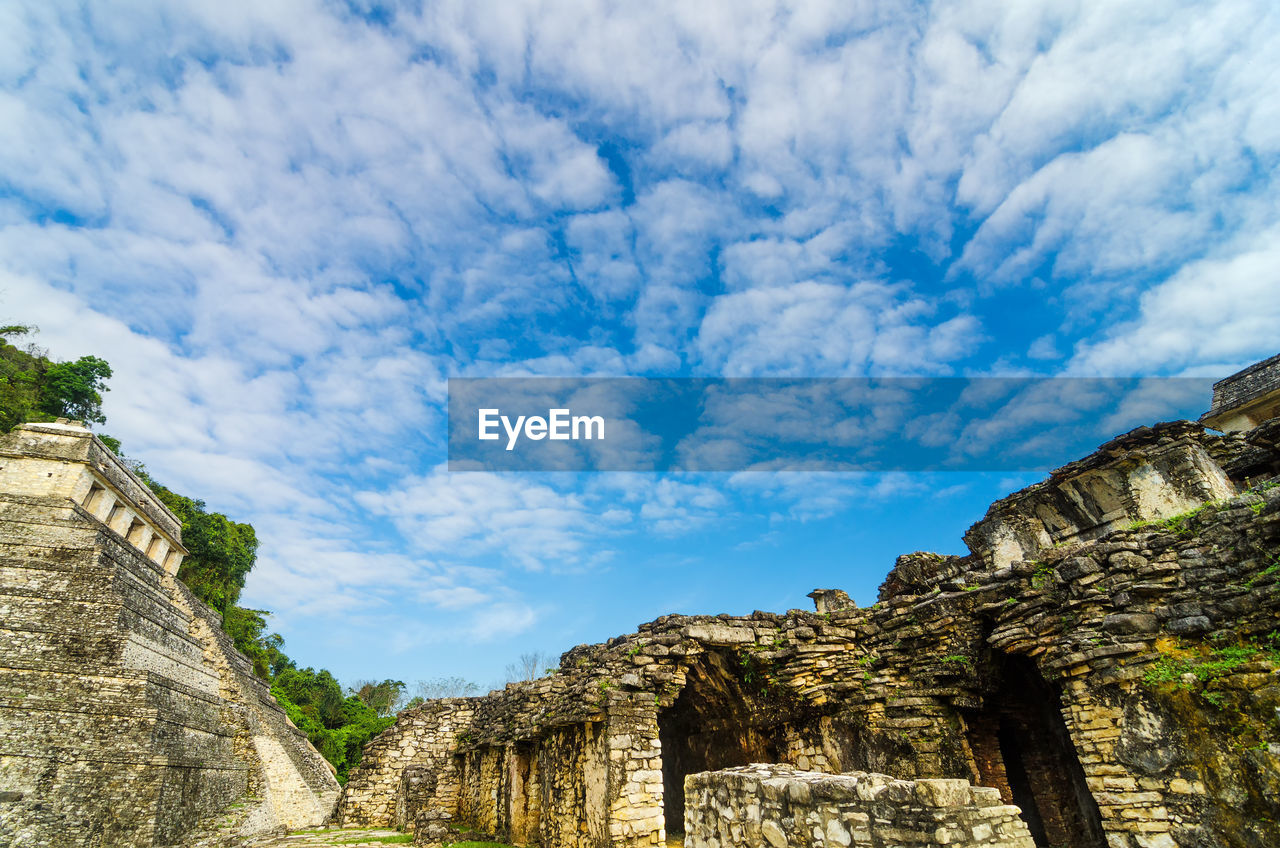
(636, 784)
(293, 783)
(105, 705)
(62, 460)
(1150, 474)
(424, 738)
(770, 806)
(127, 718)
(556, 789)
(1246, 398)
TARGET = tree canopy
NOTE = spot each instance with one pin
(338, 725)
(35, 388)
(247, 628)
(221, 551)
(74, 389)
(384, 698)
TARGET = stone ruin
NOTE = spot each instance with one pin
(1100, 671)
(127, 716)
(785, 808)
(1247, 398)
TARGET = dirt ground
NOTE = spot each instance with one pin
(333, 838)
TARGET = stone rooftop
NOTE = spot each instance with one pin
(1246, 398)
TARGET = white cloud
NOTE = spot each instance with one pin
(694, 147)
(808, 496)
(1109, 160)
(604, 257)
(530, 524)
(821, 329)
(1217, 313)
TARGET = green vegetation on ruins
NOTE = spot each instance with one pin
(1202, 670)
(1192, 667)
(222, 553)
(1182, 523)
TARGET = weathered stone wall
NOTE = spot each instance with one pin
(425, 738)
(769, 806)
(1150, 474)
(126, 716)
(61, 460)
(1246, 398)
(556, 789)
(294, 786)
(1104, 658)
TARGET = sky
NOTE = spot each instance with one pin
(287, 224)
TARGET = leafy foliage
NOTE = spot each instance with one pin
(338, 726)
(1185, 667)
(246, 627)
(74, 389)
(221, 551)
(384, 697)
(34, 388)
(1180, 523)
(21, 374)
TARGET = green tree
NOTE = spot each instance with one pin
(383, 698)
(221, 551)
(339, 727)
(21, 378)
(34, 388)
(74, 389)
(316, 693)
(247, 628)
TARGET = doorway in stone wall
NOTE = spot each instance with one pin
(522, 808)
(716, 722)
(1021, 746)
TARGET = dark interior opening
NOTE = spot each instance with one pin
(1020, 782)
(1022, 747)
(714, 723)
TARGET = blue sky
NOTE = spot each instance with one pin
(286, 225)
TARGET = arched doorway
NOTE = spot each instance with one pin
(1021, 746)
(719, 720)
